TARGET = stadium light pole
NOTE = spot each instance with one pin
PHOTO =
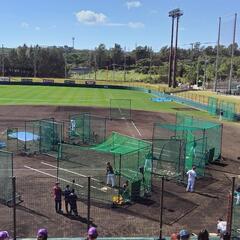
(175, 14)
(171, 52)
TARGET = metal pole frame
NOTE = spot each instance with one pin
(89, 203)
(14, 208)
(161, 210)
(231, 209)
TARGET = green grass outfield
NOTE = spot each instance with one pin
(74, 96)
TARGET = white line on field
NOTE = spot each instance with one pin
(136, 128)
(66, 170)
(50, 175)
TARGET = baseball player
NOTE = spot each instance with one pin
(110, 175)
(191, 179)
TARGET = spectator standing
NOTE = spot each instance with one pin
(67, 192)
(57, 191)
(110, 175)
(42, 234)
(73, 203)
(191, 179)
(238, 195)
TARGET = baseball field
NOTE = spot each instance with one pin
(36, 174)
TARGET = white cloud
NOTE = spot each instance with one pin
(24, 25)
(133, 4)
(136, 25)
(90, 17)
(37, 28)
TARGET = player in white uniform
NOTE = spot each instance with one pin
(191, 179)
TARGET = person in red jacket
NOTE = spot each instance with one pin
(57, 191)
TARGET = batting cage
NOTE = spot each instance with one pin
(211, 132)
(42, 136)
(6, 174)
(130, 158)
(190, 141)
(213, 106)
(87, 129)
(121, 109)
(226, 109)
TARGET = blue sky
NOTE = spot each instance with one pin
(127, 22)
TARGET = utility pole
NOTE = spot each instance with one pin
(124, 64)
(232, 55)
(65, 65)
(95, 66)
(197, 79)
(150, 63)
(73, 42)
(217, 57)
(34, 62)
(205, 73)
(3, 70)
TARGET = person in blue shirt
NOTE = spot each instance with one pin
(67, 192)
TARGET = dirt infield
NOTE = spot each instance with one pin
(192, 211)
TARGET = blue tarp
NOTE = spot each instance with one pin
(24, 136)
(161, 99)
(2, 144)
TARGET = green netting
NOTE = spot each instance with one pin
(47, 135)
(6, 174)
(87, 129)
(213, 106)
(228, 110)
(236, 211)
(131, 159)
(13, 143)
(120, 109)
(177, 148)
(210, 131)
(168, 158)
(121, 144)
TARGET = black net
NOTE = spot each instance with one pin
(87, 129)
(120, 109)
